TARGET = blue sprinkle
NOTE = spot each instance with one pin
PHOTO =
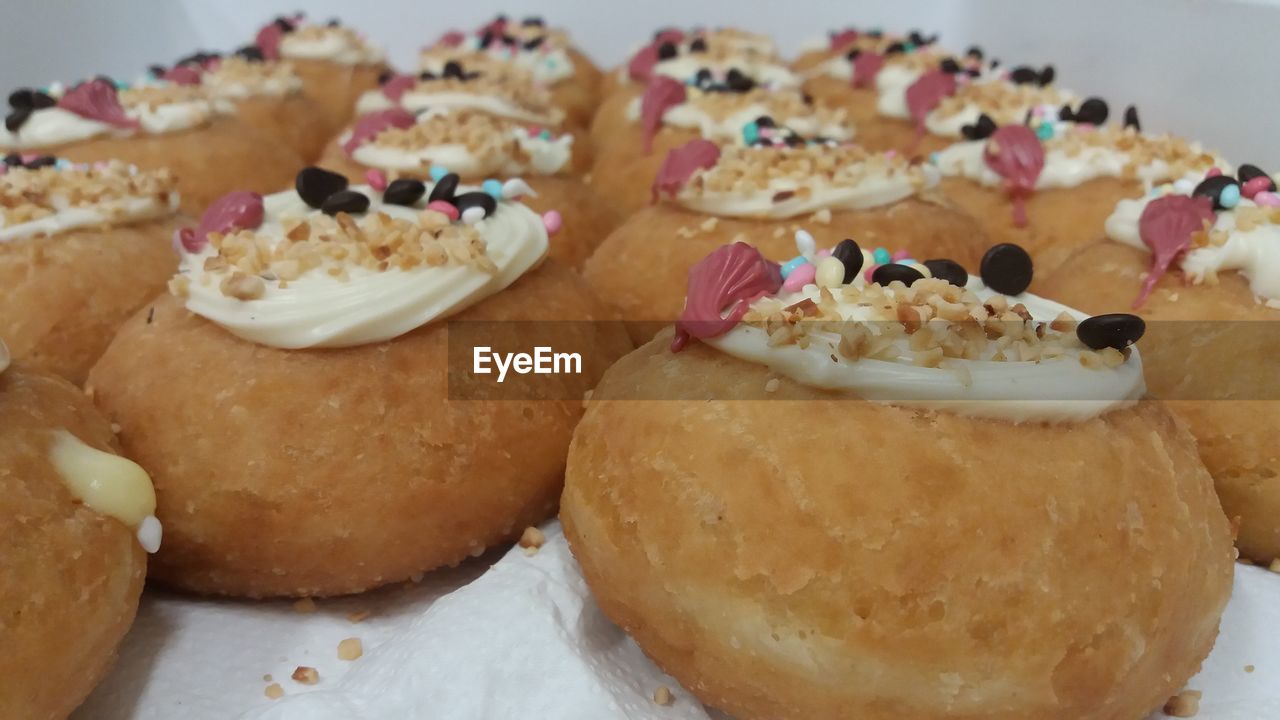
(792, 264)
(933, 157)
(545, 134)
(909, 46)
(750, 133)
(881, 256)
(492, 187)
(1230, 196)
(904, 261)
(62, 164)
(1044, 131)
(438, 172)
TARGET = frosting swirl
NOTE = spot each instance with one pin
(505, 92)
(49, 197)
(721, 115)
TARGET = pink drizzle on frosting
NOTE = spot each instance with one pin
(926, 93)
(1166, 226)
(866, 67)
(396, 86)
(680, 164)
(842, 38)
(240, 210)
(96, 99)
(1015, 154)
(661, 94)
(640, 67)
(722, 287)
(369, 126)
(183, 75)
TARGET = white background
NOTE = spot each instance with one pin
(1204, 68)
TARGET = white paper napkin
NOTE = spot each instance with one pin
(520, 640)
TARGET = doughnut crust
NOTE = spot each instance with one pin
(578, 95)
(336, 87)
(325, 472)
(70, 578)
(296, 120)
(1209, 372)
(65, 296)
(642, 268)
(209, 161)
(819, 557)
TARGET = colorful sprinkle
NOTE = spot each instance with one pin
(473, 215)
(799, 277)
(493, 188)
(438, 172)
(805, 244)
(1267, 199)
(376, 179)
(552, 221)
(517, 187)
(444, 208)
(829, 273)
(881, 256)
(790, 266)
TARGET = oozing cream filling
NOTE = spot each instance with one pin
(1056, 390)
(376, 100)
(55, 126)
(690, 116)
(1062, 169)
(871, 191)
(539, 156)
(318, 310)
(109, 485)
(1254, 252)
(336, 47)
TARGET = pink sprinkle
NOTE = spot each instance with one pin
(4, 169)
(377, 180)
(800, 277)
(534, 130)
(444, 208)
(453, 38)
(28, 157)
(552, 221)
(1267, 199)
(1252, 187)
(395, 87)
(890, 153)
(865, 69)
(1213, 172)
(824, 253)
(900, 255)
(182, 75)
(866, 275)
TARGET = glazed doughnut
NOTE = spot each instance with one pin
(850, 519)
(364, 467)
(70, 575)
(81, 249)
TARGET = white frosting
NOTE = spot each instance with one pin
(318, 310)
(56, 126)
(268, 85)
(685, 67)
(1055, 390)
(1255, 253)
(547, 64)
(871, 191)
(115, 211)
(953, 124)
(891, 89)
(336, 46)
(413, 101)
(545, 156)
(690, 116)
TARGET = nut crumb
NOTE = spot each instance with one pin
(1274, 566)
(306, 675)
(662, 696)
(358, 616)
(1184, 704)
(1249, 668)
(305, 606)
(771, 385)
(266, 678)
(350, 649)
(531, 539)
(274, 691)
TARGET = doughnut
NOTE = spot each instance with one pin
(1050, 184)
(336, 63)
(764, 194)
(324, 331)
(828, 508)
(154, 125)
(1211, 320)
(670, 114)
(81, 249)
(546, 53)
(480, 147)
(72, 569)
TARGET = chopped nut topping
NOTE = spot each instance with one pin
(492, 140)
(305, 606)
(274, 691)
(797, 170)
(531, 539)
(306, 675)
(1004, 101)
(1185, 704)
(350, 649)
(28, 194)
(662, 696)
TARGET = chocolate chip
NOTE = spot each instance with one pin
(974, 52)
(850, 255)
(1093, 111)
(453, 68)
(13, 160)
(852, 54)
(981, 130)
(487, 38)
(347, 201)
(886, 274)
(475, 199)
(157, 70)
(16, 119)
(384, 76)
(896, 48)
(1113, 330)
(1212, 187)
(1131, 118)
(1248, 172)
(510, 40)
(315, 185)
(1065, 113)
(535, 43)
(1006, 268)
(948, 270)
(702, 77)
(666, 51)
(533, 21)
(919, 39)
(949, 66)
(252, 53)
(736, 81)
(426, 75)
(285, 24)
(1047, 75)
(405, 191)
(699, 45)
(21, 98)
(445, 188)
(43, 161)
(765, 121)
(1023, 75)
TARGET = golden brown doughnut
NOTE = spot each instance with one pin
(335, 87)
(296, 120)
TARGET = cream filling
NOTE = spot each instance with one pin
(692, 117)
(1255, 252)
(321, 311)
(1057, 390)
(335, 47)
(545, 157)
(870, 192)
(1061, 169)
(375, 101)
(109, 485)
(68, 217)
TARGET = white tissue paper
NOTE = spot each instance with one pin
(522, 639)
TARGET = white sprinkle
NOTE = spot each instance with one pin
(805, 243)
(149, 533)
(1184, 186)
(515, 187)
(473, 215)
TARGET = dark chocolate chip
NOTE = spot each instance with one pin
(1212, 187)
(852, 54)
(736, 81)
(1248, 172)
(40, 101)
(949, 66)
(347, 201)
(666, 51)
(974, 52)
(157, 70)
(1131, 118)
(535, 42)
(43, 161)
(1047, 75)
(1113, 330)
(699, 45)
(384, 76)
(334, 22)
(285, 24)
(405, 191)
(850, 255)
(1066, 114)
(1006, 268)
(1023, 75)
(487, 38)
(886, 274)
(919, 39)
(948, 270)
(702, 77)
(445, 188)
(426, 75)
(13, 160)
(453, 68)
(896, 48)
(981, 130)
(475, 199)
(315, 185)
(1093, 111)
(252, 53)
(20, 99)
(534, 21)
(765, 121)
(510, 40)
(16, 119)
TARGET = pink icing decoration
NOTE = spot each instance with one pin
(866, 274)
(182, 75)
(1213, 172)
(369, 126)
(1267, 199)
(682, 163)
(552, 221)
(925, 93)
(661, 94)
(799, 277)
(268, 41)
(866, 67)
(1015, 154)
(1166, 226)
(395, 87)
(721, 288)
(640, 67)
(1252, 187)
(453, 38)
(96, 99)
(842, 38)
(238, 210)
(495, 26)
(444, 207)
(376, 179)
